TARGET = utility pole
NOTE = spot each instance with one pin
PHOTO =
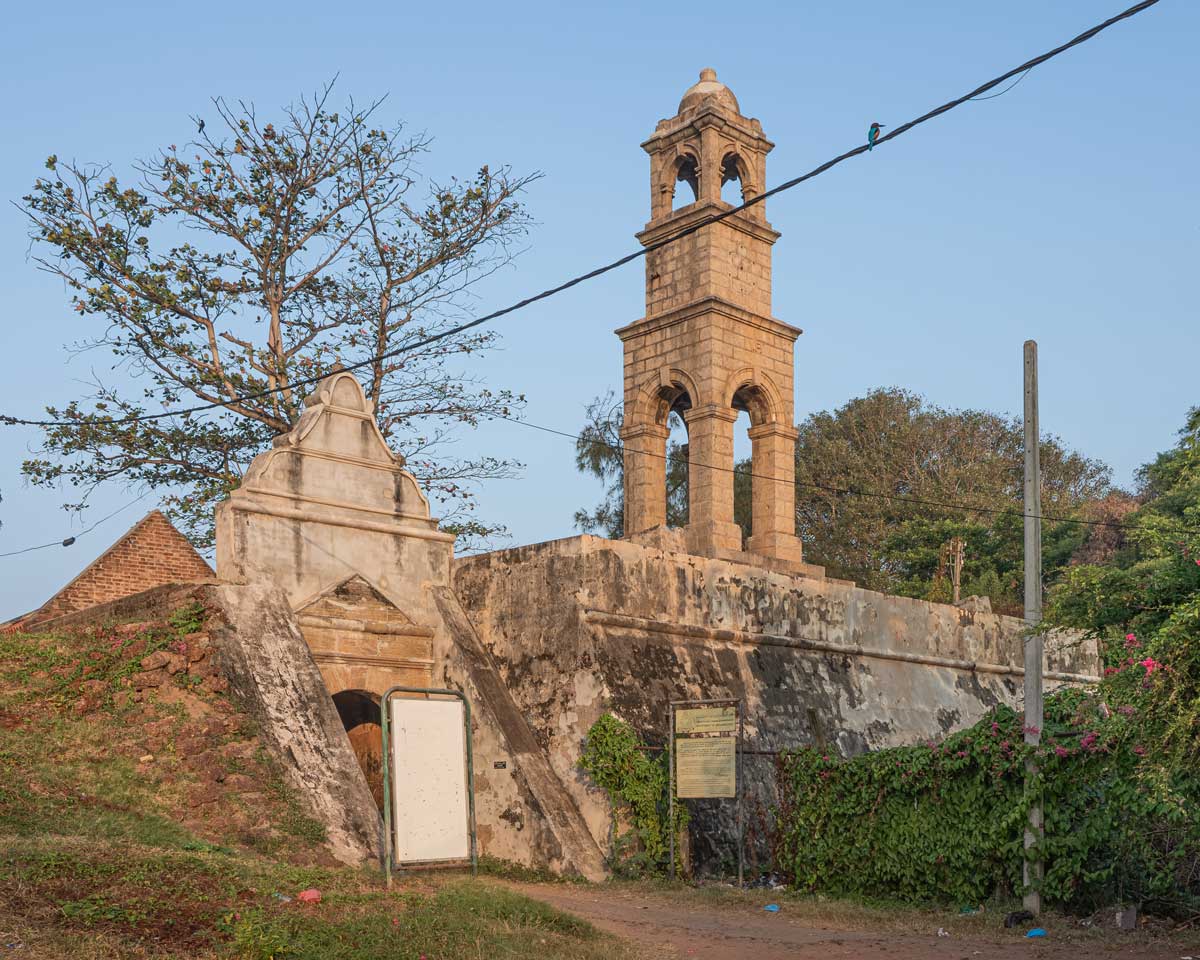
(1032, 873)
(957, 555)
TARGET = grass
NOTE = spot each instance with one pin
(82, 897)
(101, 854)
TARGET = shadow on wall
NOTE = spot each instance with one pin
(362, 719)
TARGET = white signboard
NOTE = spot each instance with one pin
(429, 780)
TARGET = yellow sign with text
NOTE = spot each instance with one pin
(706, 767)
(706, 720)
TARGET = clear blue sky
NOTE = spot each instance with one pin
(1066, 210)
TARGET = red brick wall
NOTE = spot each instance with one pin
(151, 554)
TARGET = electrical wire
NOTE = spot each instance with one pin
(838, 491)
(71, 540)
(1006, 89)
(619, 262)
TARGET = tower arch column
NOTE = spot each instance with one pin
(773, 489)
(710, 526)
(645, 464)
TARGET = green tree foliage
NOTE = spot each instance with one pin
(895, 443)
(264, 253)
(1151, 588)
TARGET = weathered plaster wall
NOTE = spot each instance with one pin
(581, 626)
(330, 519)
(330, 504)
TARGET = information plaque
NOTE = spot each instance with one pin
(704, 759)
(706, 768)
(706, 720)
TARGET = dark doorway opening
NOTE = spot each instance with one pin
(363, 721)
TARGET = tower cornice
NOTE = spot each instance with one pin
(678, 129)
(700, 211)
(709, 306)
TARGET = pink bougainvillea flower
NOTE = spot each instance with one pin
(1109, 671)
(1089, 741)
(1140, 750)
(1062, 751)
(1131, 636)
(1150, 664)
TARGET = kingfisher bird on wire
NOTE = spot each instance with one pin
(873, 135)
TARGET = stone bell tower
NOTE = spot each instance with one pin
(708, 346)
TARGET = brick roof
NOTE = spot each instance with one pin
(150, 554)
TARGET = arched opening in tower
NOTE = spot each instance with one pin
(686, 171)
(362, 720)
(752, 407)
(732, 181)
(743, 481)
(677, 463)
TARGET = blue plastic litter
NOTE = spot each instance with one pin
(772, 908)
(1036, 932)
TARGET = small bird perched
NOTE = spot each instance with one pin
(200, 128)
(873, 135)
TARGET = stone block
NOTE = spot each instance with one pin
(148, 679)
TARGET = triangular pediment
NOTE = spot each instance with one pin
(354, 599)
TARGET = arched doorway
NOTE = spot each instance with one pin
(363, 721)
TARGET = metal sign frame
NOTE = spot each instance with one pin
(740, 751)
(389, 844)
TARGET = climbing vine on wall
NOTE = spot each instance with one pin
(945, 821)
(637, 783)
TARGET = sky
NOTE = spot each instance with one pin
(1065, 211)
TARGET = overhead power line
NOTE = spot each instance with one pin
(69, 541)
(837, 491)
(620, 261)
(993, 96)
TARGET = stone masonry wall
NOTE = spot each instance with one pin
(583, 626)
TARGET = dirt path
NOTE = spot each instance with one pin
(691, 929)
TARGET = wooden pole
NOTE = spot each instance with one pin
(1033, 866)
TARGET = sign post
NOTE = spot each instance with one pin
(704, 758)
(428, 779)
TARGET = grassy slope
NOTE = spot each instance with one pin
(104, 853)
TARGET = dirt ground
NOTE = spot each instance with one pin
(692, 926)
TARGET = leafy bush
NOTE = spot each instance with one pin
(637, 784)
(945, 822)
